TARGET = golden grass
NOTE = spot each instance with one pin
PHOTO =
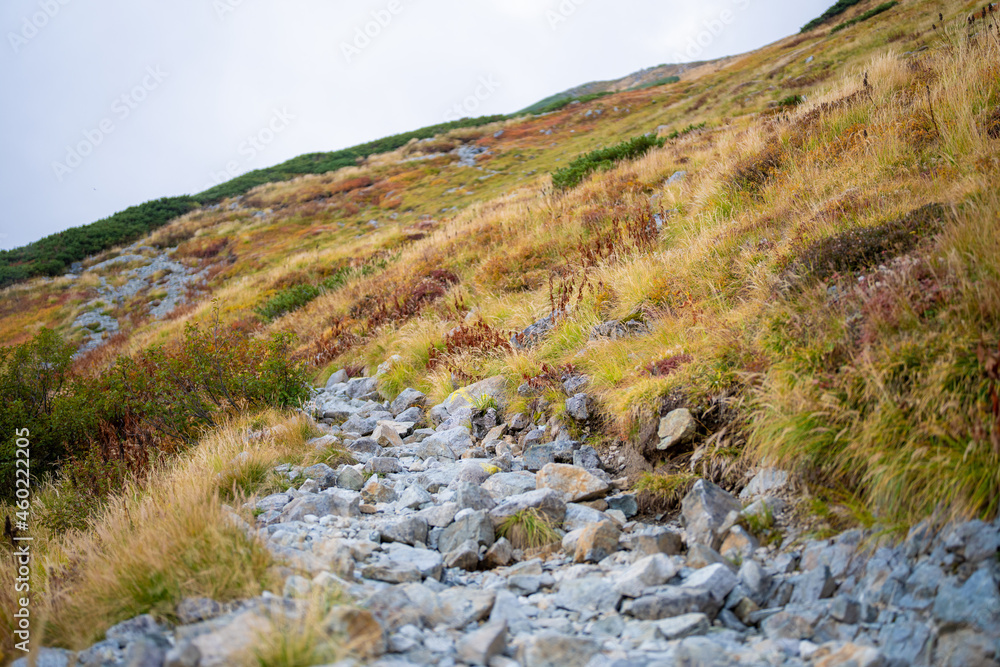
(157, 543)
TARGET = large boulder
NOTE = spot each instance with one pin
(574, 483)
(708, 512)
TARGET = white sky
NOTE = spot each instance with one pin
(201, 76)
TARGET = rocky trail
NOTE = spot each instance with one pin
(411, 534)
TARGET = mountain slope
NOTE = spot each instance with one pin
(803, 276)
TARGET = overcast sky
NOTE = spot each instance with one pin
(112, 103)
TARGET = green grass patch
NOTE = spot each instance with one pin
(603, 158)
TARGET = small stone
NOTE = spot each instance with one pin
(474, 497)
(784, 625)
(816, 584)
(716, 579)
(408, 530)
(478, 647)
(365, 636)
(739, 544)
(586, 594)
(647, 572)
(184, 654)
(626, 503)
(670, 601)
(375, 491)
(676, 428)
(465, 557)
(547, 502)
(845, 610)
(386, 436)
(475, 526)
(550, 649)
(414, 497)
(537, 457)
(700, 556)
(848, 654)
(383, 465)
(576, 407)
(408, 398)
(656, 540)
(684, 625)
(597, 542)
(587, 457)
(500, 554)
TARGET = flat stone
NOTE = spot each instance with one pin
(538, 456)
(547, 502)
(784, 625)
(550, 649)
(473, 497)
(574, 483)
(685, 625)
(671, 601)
(581, 516)
(587, 594)
(655, 540)
(383, 465)
(386, 435)
(414, 497)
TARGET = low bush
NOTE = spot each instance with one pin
(837, 9)
(885, 6)
(603, 158)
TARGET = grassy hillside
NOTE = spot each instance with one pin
(812, 255)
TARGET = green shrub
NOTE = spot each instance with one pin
(603, 158)
(52, 255)
(294, 297)
(557, 102)
(676, 134)
(838, 8)
(321, 163)
(885, 6)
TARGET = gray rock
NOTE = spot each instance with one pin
(473, 497)
(677, 177)
(479, 646)
(645, 573)
(672, 601)
(414, 497)
(135, 628)
(755, 580)
(338, 377)
(538, 456)
(550, 649)
(351, 479)
(457, 607)
(505, 484)
(655, 540)
(399, 563)
(408, 530)
(580, 516)
(379, 491)
(383, 465)
(962, 648)
(361, 387)
(407, 399)
(784, 625)
(184, 654)
(685, 625)
(678, 427)
(360, 425)
(48, 657)
(706, 511)
(716, 579)
(465, 557)
(547, 502)
(275, 501)
(149, 651)
(845, 610)
(587, 457)
(976, 603)
(475, 526)
(587, 594)
(365, 446)
(439, 516)
(447, 444)
(626, 503)
(577, 407)
(412, 415)
(815, 585)
(472, 473)
(765, 483)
